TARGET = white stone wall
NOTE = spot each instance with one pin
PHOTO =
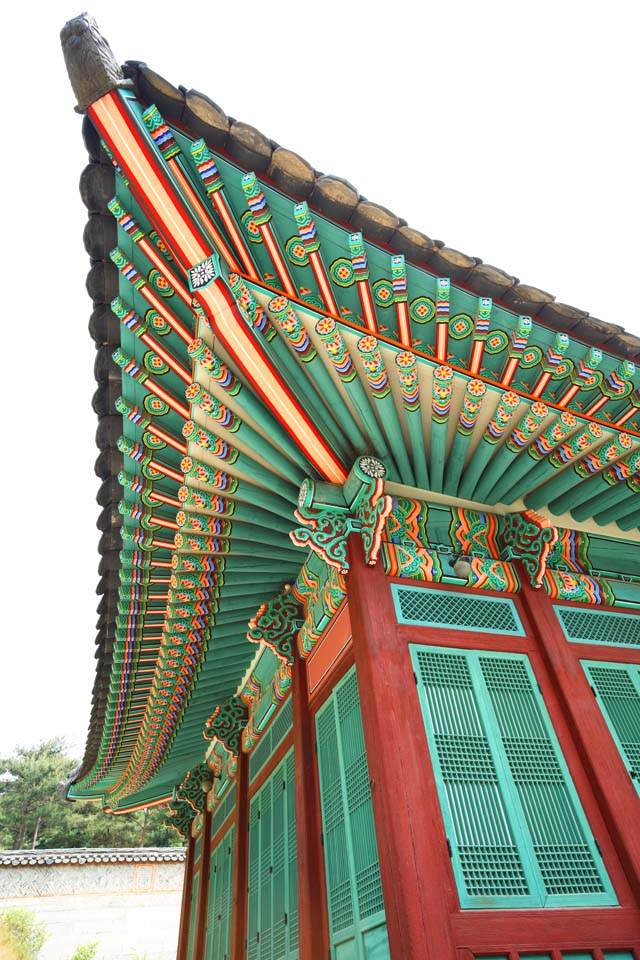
(131, 909)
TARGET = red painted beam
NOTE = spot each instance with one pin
(200, 938)
(185, 909)
(533, 931)
(312, 905)
(240, 880)
(417, 880)
(157, 195)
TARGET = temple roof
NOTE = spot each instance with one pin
(378, 339)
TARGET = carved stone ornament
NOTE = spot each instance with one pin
(276, 624)
(227, 723)
(530, 537)
(93, 70)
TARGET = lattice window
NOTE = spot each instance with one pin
(600, 626)
(459, 611)
(513, 819)
(272, 921)
(354, 890)
(270, 739)
(617, 690)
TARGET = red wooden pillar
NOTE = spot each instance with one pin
(203, 889)
(616, 796)
(240, 881)
(312, 910)
(414, 862)
(185, 909)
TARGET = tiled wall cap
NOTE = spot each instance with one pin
(100, 234)
(561, 316)
(526, 299)
(249, 147)
(155, 89)
(205, 119)
(453, 263)
(490, 281)
(334, 197)
(415, 245)
(104, 326)
(102, 282)
(375, 222)
(291, 173)
(97, 186)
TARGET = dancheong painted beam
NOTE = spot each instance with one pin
(370, 577)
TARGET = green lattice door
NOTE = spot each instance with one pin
(514, 822)
(192, 914)
(357, 925)
(220, 899)
(617, 690)
(272, 921)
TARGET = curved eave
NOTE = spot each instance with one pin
(394, 419)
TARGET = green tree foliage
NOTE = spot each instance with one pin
(21, 935)
(86, 951)
(35, 815)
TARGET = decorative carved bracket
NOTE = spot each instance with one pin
(530, 538)
(226, 723)
(276, 624)
(191, 790)
(180, 817)
(330, 513)
(189, 799)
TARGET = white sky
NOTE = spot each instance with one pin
(507, 130)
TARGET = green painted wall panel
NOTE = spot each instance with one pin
(192, 915)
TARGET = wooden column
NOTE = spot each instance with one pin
(185, 909)
(203, 889)
(312, 908)
(417, 882)
(616, 795)
(240, 880)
